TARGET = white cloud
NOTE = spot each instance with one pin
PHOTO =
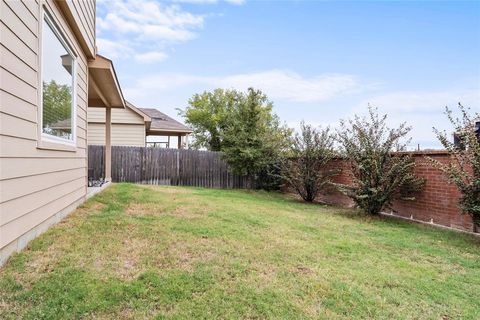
(113, 50)
(293, 87)
(422, 101)
(131, 27)
(277, 84)
(320, 100)
(235, 2)
(165, 33)
(152, 56)
(422, 110)
(129, 16)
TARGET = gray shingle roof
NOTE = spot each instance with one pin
(162, 122)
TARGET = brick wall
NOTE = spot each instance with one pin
(437, 204)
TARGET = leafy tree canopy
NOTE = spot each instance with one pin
(57, 102)
(208, 115)
(240, 124)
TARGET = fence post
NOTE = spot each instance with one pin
(142, 173)
(178, 167)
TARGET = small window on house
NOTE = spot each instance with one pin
(58, 68)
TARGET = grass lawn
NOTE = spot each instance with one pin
(185, 253)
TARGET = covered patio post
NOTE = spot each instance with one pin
(108, 144)
(104, 92)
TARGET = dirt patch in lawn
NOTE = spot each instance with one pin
(186, 256)
(42, 262)
(88, 208)
(142, 209)
(167, 189)
(154, 209)
(129, 258)
(124, 261)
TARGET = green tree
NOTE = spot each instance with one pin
(379, 175)
(305, 167)
(208, 114)
(57, 103)
(464, 169)
(253, 138)
(239, 124)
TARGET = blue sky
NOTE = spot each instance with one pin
(317, 61)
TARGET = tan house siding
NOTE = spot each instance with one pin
(122, 134)
(97, 115)
(37, 186)
(128, 128)
(83, 13)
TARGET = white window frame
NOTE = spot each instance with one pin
(48, 141)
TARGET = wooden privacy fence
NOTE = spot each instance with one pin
(174, 167)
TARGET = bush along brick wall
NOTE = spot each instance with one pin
(437, 204)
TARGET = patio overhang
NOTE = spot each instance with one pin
(104, 92)
(167, 132)
(103, 87)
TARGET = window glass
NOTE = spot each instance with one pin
(57, 80)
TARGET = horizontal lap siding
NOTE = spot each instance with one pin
(128, 135)
(122, 134)
(96, 134)
(84, 20)
(11, 231)
(126, 116)
(35, 184)
(10, 104)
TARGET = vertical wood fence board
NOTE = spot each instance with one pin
(165, 167)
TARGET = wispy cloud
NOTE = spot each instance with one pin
(422, 110)
(417, 102)
(148, 29)
(142, 19)
(236, 2)
(320, 100)
(113, 49)
(278, 84)
(152, 56)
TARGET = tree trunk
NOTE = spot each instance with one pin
(476, 223)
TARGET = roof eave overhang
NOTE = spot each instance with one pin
(66, 7)
(168, 131)
(103, 87)
(145, 116)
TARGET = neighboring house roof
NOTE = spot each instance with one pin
(145, 116)
(163, 123)
(62, 124)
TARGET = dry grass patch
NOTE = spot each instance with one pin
(167, 189)
(186, 256)
(128, 263)
(155, 209)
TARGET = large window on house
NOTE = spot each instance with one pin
(58, 95)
